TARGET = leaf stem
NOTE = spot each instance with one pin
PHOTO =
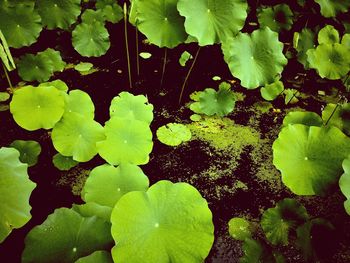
(137, 51)
(334, 110)
(127, 45)
(7, 76)
(188, 74)
(164, 65)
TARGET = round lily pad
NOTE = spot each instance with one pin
(77, 136)
(20, 24)
(328, 35)
(29, 151)
(344, 184)
(145, 55)
(330, 8)
(90, 16)
(66, 236)
(4, 96)
(330, 60)
(310, 157)
(83, 66)
(308, 118)
(106, 184)
(239, 228)
(210, 21)
(169, 221)
(271, 91)
(338, 116)
(58, 84)
(127, 141)
(255, 59)
(58, 14)
(80, 102)
(161, 22)
(173, 134)
(15, 190)
(63, 163)
(34, 108)
(277, 18)
(93, 209)
(96, 257)
(111, 11)
(91, 39)
(303, 41)
(278, 222)
(127, 105)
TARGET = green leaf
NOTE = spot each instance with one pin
(127, 141)
(173, 134)
(239, 228)
(255, 59)
(173, 218)
(15, 190)
(91, 39)
(211, 21)
(96, 257)
(271, 91)
(277, 222)
(290, 96)
(338, 116)
(20, 24)
(66, 236)
(310, 158)
(330, 61)
(90, 16)
(77, 136)
(58, 84)
(145, 55)
(58, 14)
(307, 118)
(5, 54)
(4, 96)
(80, 102)
(303, 41)
(330, 8)
(328, 35)
(83, 66)
(344, 184)
(256, 252)
(127, 105)
(34, 108)
(277, 18)
(63, 163)
(106, 184)
(160, 21)
(93, 209)
(40, 67)
(112, 12)
(29, 151)
(185, 56)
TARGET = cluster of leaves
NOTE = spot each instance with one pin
(287, 222)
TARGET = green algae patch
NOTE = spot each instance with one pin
(224, 135)
(74, 179)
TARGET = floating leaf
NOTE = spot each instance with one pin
(127, 141)
(20, 24)
(173, 134)
(58, 84)
(328, 35)
(91, 16)
(40, 67)
(29, 151)
(330, 8)
(271, 91)
(211, 21)
(66, 236)
(58, 14)
(308, 118)
(185, 56)
(338, 116)
(91, 39)
(211, 102)
(344, 184)
(127, 105)
(160, 21)
(80, 102)
(290, 96)
(34, 108)
(303, 41)
(77, 136)
(255, 59)
(4, 96)
(239, 228)
(112, 12)
(93, 209)
(63, 163)
(310, 158)
(330, 61)
(96, 257)
(145, 55)
(106, 184)
(15, 190)
(256, 252)
(277, 222)
(277, 18)
(174, 218)
(83, 66)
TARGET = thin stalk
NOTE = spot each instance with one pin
(7, 76)
(137, 51)
(164, 65)
(334, 110)
(127, 44)
(188, 74)
(294, 94)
